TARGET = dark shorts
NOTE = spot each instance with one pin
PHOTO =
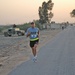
(32, 43)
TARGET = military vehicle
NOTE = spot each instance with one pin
(12, 31)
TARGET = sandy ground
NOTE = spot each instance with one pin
(15, 50)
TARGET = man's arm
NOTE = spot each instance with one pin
(28, 34)
(38, 33)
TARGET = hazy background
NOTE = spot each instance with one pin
(22, 11)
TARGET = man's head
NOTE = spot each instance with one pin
(32, 24)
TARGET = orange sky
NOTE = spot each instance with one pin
(21, 11)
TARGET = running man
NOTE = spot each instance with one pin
(33, 33)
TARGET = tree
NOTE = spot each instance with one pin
(45, 12)
(50, 14)
(72, 13)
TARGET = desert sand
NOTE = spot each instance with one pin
(15, 50)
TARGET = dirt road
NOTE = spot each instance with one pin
(15, 50)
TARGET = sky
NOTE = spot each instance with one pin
(22, 11)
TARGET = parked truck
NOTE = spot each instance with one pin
(12, 31)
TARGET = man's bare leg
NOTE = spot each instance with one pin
(34, 51)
